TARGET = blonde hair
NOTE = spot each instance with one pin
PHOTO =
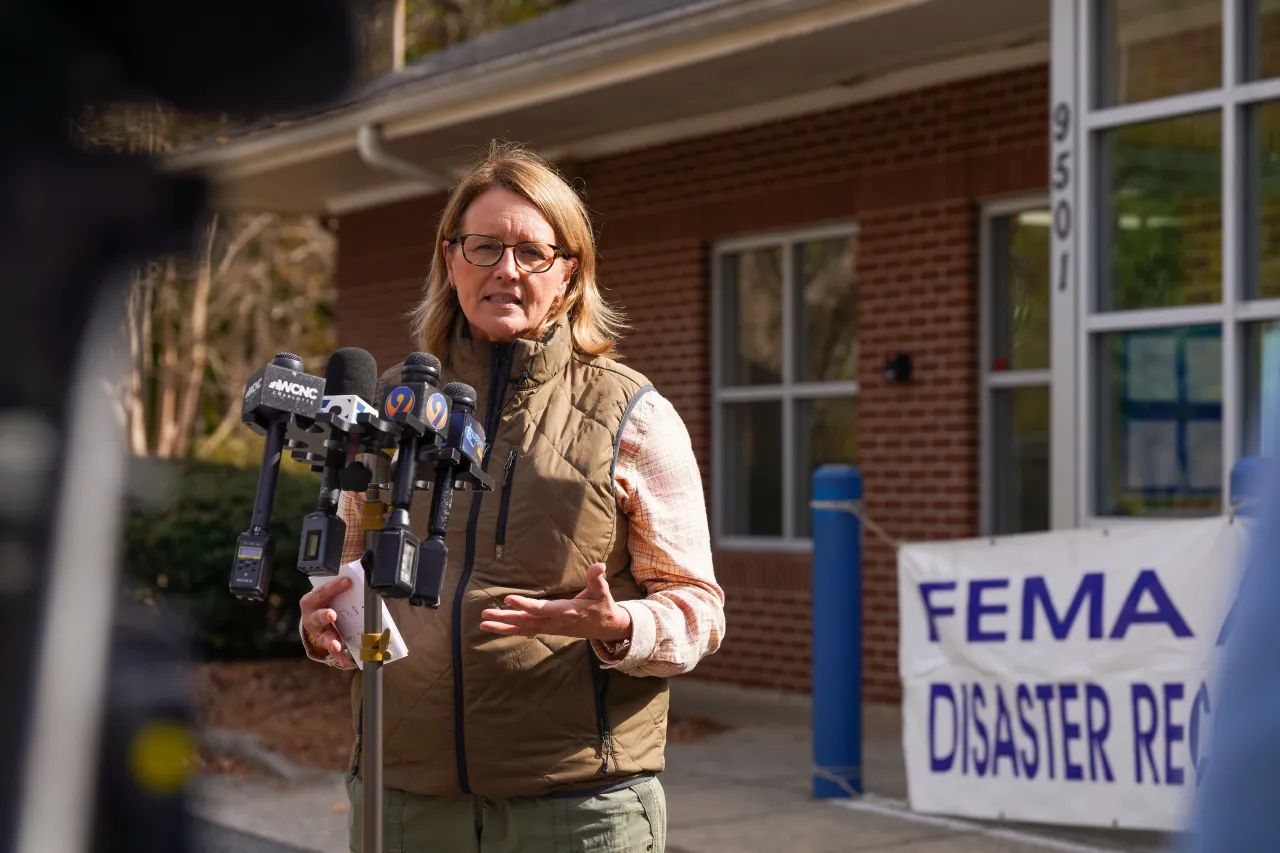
(595, 325)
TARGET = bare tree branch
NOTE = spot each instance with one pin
(246, 236)
(135, 410)
(147, 371)
(229, 422)
(197, 349)
(168, 373)
(198, 328)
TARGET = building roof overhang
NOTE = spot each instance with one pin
(599, 78)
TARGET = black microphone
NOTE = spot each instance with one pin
(277, 394)
(420, 414)
(350, 378)
(458, 464)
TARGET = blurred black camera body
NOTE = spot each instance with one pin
(147, 729)
(72, 225)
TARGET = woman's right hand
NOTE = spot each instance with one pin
(320, 621)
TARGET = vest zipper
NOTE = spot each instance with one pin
(500, 541)
(606, 731)
(355, 759)
(600, 685)
(355, 750)
(498, 376)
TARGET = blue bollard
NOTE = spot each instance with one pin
(1248, 482)
(837, 633)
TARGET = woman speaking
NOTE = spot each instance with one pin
(530, 713)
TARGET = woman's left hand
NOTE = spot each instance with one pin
(591, 615)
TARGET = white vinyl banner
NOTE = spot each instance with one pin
(1064, 677)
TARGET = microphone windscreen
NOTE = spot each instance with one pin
(352, 371)
(461, 394)
(422, 367)
(425, 359)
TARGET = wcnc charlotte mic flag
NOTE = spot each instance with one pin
(1065, 677)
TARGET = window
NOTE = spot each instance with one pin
(1160, 421)
(1160, 214)
(1015, 373)
(1178, 282)
(1262, 39)
(1262, 398)
(785, 378)
(1151, 49)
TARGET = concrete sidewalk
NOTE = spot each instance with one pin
(212, 838)
(748, 790)
(743, 791)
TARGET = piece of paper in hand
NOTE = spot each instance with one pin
(350, 609)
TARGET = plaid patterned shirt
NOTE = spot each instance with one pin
(681, 617)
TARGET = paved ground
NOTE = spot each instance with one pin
(744, 791)
(212, 838)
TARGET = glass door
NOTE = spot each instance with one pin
(1015, 367)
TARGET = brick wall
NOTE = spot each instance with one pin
(918, 442)
(383, 256)
(911, 170)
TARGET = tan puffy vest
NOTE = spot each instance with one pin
(472, 712)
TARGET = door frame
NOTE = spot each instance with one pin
(990, 381)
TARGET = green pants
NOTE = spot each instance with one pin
(633, 820)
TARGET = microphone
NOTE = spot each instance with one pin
(420, 414)
(458, 464)
(350, 378)
(277, 394)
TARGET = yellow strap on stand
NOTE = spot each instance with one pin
(376, 647)
(375, 515)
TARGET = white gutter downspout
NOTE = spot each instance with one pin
(369, 145)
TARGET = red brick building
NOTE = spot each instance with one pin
(786, 192)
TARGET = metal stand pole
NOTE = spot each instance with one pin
(374, 645)
(371, 724)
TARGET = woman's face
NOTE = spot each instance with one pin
(504, 301)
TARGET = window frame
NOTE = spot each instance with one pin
(787, 392)
(1232, 100)
(989, 380)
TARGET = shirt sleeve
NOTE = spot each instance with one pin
(351, 508)
(681, 618)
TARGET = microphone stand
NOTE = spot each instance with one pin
(373, 647)
(374, 651)
(375, 642)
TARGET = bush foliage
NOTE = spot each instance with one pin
(178, 557)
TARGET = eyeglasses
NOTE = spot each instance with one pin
(482, 251)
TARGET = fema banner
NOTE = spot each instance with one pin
(1064, 677)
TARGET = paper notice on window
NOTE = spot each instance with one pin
(350, 609)
(1152, 375)
(1204, 454)
(1270, 384)
(1204, 370)
(1152, 455)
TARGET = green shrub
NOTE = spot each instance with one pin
(178, 556)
